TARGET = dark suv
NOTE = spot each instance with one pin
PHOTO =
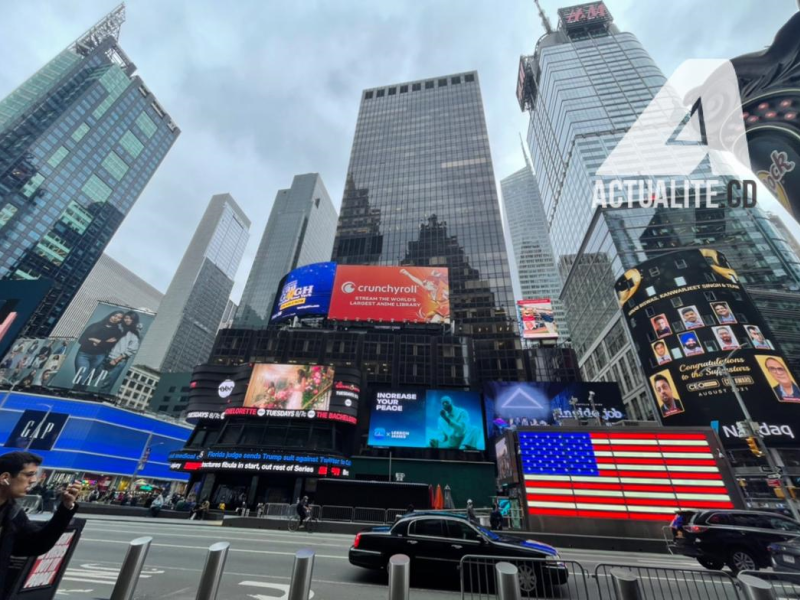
(736, 538)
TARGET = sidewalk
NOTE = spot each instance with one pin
(127, 519)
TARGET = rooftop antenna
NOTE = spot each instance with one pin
(525, 153)
(545, 21)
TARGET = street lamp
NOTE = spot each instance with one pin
(756, 433)
(145, 452)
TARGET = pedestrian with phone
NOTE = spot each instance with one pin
(18, 535)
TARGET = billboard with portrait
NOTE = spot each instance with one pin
(697, 333)
(391, 294)
(513, 404)
(536, 319)
(419, 418)
(100, 358)
(34, 361)
(18, 301)
(305, 291)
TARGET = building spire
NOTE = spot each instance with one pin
(545, 21)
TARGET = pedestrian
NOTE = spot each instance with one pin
(156, 505)
(199, 512)
(496, 517)
(18, 535)
(471, 513)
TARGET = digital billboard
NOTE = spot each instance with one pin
(506, 457)
(513, 404)
(34, 361)
(18, 301)
(641, 475)
(419, 418)
(536, 319)
(312, 465)
(305, 291)
(99, 359)
(697, 332)
(391, 294)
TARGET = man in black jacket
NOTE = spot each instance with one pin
(18, 535)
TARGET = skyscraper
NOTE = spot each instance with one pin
(108, 282)
(585, 85)
(421, 191)
(536, 267)
(79, 140)
(183, 332)
(300, 231)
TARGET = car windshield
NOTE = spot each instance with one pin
(490, 534)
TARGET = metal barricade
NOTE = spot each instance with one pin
(393, 513)
(785, 584)
(31, 503)
(337, 513)
(369, 515)
(538, 578)
(279, 511)
(316, 512)
(662, 583)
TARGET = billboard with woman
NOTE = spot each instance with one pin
(98, 361)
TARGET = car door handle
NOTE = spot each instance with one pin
(456, 546)
(412, 542)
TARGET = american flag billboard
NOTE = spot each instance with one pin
(621, 475)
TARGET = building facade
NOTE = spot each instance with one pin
(138, 387)
(536, 267)
(228, 315)
(585, 86)
(300, 231)
(421, 191)
(110, 282)
(172, 394)
(79, 141)
(183, 332)
(784, 232)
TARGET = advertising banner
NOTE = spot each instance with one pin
(107, 347)
(18, 301)
(419, 418)
(391, 294)
(697, 334)
(506, 457)
(536, 319)
(34, 361)
(36, 430)
(306, 291)
(512, 404)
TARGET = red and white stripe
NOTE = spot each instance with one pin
(641, 476)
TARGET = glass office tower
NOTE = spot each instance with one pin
(300, 231)
(421, 191)
(79, 140)
(584, 87)
(536, 267)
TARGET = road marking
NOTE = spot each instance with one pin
(96, 573)
(258, 534)
(205, 548)
(281, 587)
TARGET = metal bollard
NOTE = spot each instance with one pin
(626, 585)
(507, 581)
(131, 569)
(399, 577)
(212, 572)
(300, 584)
(756, 588)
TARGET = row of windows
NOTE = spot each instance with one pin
(416, 87)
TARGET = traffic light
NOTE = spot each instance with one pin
(753, 445)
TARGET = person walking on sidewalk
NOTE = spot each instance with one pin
(18, 535)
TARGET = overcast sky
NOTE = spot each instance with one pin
(266, 89)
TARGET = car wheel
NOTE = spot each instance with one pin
(742, 560)
(528, 578)
(711, 563)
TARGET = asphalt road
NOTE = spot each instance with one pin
(259, 563)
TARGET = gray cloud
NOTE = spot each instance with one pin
(263, 90)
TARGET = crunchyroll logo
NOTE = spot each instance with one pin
(348, 287)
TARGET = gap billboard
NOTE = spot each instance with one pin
(697, 334)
